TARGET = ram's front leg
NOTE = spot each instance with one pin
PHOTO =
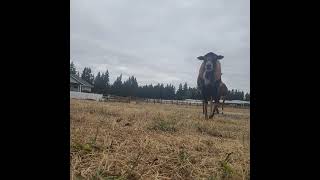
(206, 110)
(211, 109)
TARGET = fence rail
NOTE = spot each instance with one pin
(137, 100)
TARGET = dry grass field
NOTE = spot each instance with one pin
(112, 140)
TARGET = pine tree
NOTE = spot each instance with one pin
(73, 69)
(97, 88)
(117, 86)
(247, 97)
(87, 75)
(242, 95)
(185, 91)
(134, 86)
(106, 80)
(179, 94)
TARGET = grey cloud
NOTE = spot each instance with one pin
(158, 41)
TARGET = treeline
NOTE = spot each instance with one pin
(130, 87)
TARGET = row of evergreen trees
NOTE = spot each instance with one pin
(130, 87)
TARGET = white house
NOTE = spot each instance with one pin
(79, 85)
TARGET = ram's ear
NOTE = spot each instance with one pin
(200, 58)
(220, 57)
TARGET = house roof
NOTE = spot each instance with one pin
(72, 80)
(76, 79)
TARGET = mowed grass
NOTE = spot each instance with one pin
(157, 141)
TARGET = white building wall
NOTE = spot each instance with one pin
(82, 95)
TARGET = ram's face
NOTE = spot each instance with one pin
(210, 60)
(209, 64)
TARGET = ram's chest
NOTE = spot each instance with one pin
(208, 77)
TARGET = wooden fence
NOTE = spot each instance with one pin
(137, 100)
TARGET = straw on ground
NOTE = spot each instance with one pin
(157, 141)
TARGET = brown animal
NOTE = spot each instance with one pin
(209, 80)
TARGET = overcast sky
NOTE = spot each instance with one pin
(157, 41)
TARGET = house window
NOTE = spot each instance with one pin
(74, 87)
